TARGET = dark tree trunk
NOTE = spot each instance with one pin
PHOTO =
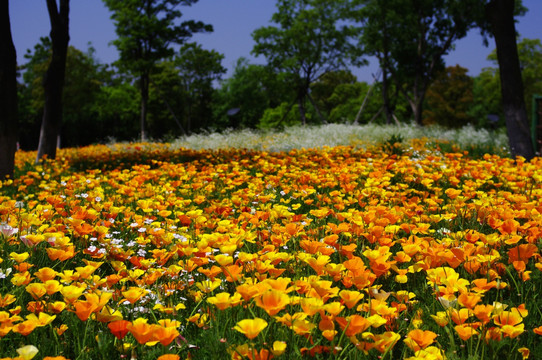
(8, 95)
(302, 116)
(384, 60)
(144, 87)
(320, 115)
(53, 81)
(417, 106)
(385, 96)
(500, 14)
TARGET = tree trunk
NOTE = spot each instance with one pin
(320, 115)
(500, 14)
(417, 107)
(53, 81)
(8, 95)
(144, 87)
(301, 104)
(385, 96)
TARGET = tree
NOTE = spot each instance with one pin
(146, 29)
(8, 95)
(530, 62)
(449, 98)
(84, 76)
(487, 104)
(53, 82)
(182, 92)
(243, 98)
(198, 69)
(308, 42)
(410, 38)
(487, 85)
(500, 16)
(375, 40)
(324, 88)
(116, 107)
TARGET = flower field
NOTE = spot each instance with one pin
(146, 252)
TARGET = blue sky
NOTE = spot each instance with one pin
(233, 21)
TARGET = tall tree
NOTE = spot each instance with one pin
(83, 78)
(449, 98)
(375, 39)
(181, 92)
(410, 38)
(53, 81)
(8, 95)
(146, 29)
(308, 41)
(198, 69)
(500, 16)
(243, 98)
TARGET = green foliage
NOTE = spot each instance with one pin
(449, 98)
(84, 79)
(487, 85)
(307, 42)
(282, 116)
(248, 93)
(117, 110)
(487, 98)
(410, 37)
(145, 30)
(393, 145)
(334, 88)
(182, 92)
(530, 59)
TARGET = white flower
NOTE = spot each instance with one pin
(141, 252)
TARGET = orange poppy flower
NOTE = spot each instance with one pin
(133, 294)
(36, 290)
(119, 328)
(52, 286)
(251, 327)
(272, 301)
(353, 324)
(83, 309)
(7, 300)
(71, 293)
(233, 273)
(24, 328)
(510, 323)
(169, 357)
(164, 334)
(468, 300)
(350, 298)
(302, 326)
(384, 342)
(465, 332)
(419, 339)
(224, 300)
(141, 331)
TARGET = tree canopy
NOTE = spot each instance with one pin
(309, 40)
(146, 31)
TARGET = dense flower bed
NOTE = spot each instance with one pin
(145, 252)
